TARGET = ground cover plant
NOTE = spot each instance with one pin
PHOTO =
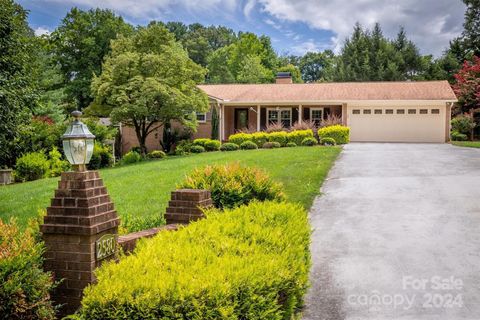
(143, 189)
(248, 263)
(470, 144)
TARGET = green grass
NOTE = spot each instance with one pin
(144, 189)
(470, 144)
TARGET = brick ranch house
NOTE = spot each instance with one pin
(374, 111)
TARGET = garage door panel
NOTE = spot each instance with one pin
(395, 127)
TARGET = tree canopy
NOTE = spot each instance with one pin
(148, 80)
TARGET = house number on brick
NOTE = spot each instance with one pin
(105, 246)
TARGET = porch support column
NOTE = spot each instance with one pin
(344, 114)
(258, 118)
(300, 114)
(222, 124)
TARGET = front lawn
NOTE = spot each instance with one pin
(470, 144)
(144, 189)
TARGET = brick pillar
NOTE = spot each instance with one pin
(186, 205)
(80, 214)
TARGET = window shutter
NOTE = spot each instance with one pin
(294, 115)
(306, 113)
(263, 118)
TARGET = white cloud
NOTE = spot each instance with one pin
(155, 9)
(309, 46)
(40, 31)
(431, 24)
(249, 6)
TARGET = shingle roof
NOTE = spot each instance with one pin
(340, 91)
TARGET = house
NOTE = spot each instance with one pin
(374, 111)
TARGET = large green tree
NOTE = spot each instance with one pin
(79, 45)
(148, 80)
(18, 94)
(467, 45)
(317, 66)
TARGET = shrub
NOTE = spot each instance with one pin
(280, 137)
(309, 142)
(212, 145)
(331, 120)
(101, 158)
(463, 124)
(156, 154)
(24, 287)
(340, 134)
(259, 138)
(327, 141)
(298, 136)
(31, 166)
(56, 163)
(200, 142)
(197, 149)
(134, 223)
(271, 145)
(233, 185)
(183, 147)
(291, 144)
(305, 125)
(229, 147)
(240, 138)
(248, 145)
(247, 263)
(457, 136)
(131, 157)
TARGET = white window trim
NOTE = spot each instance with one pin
(204, 117)
(317, 108)
(279, 114)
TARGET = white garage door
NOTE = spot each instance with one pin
(397, 124)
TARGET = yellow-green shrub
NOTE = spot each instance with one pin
(24, 286)
(248, 263)
(340, 134)
(233, 185)
(208, 144)
(240, 138)
(298, 136)
(259, 138)
(279, 136)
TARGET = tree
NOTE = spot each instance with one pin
(253, 71)
(317, 66)
(468, 44)
(294, 71)
(80, 44)
(18, 95)
(467, 85)
(147, 81)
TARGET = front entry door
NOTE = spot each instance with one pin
(241, 119)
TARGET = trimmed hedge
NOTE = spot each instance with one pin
(259, 138)
(131, 157)
(327, 141)
(298, 136)
(156, 154)
(232, 185)
(208, 144)
(309, 142)
(229, 147)
(197, 149)
(24, 286)
(271, 145)
(340, 134)
(240, 138)
(31, 166)
(279, 136)
(247, 263)
(248, 145)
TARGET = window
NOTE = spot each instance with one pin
(389, 111)
(282, 115)
(378, 111)
(412, 111)
(400, 111)
(201, 117)
(367, 111)
(423, 111)
(316, 115)
(435, 111)
(356, 111)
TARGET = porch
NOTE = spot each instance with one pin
(235, 118)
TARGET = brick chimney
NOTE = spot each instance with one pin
(283, 78)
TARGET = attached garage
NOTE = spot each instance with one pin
(409, 123)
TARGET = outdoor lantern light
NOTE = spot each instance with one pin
(78, 143)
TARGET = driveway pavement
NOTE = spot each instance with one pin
(397, 234)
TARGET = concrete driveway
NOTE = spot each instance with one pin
(397, 234)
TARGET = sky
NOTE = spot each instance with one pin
(295, 26)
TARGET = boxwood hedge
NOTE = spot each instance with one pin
(248, 263)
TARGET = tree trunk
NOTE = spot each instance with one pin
(472, 130)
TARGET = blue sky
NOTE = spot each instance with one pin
(295, 26)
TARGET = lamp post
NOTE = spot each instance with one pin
(78, 143)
